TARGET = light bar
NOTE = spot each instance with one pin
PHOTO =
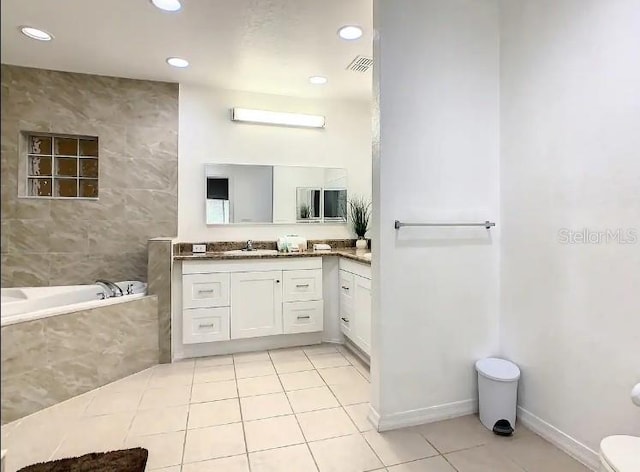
(277, 118)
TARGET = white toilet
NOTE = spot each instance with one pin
(621, 453)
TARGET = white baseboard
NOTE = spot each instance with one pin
(430, 414)
(563, 441)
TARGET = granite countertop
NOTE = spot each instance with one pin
(348, 253)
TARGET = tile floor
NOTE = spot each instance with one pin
(290, 410)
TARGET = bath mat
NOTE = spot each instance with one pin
(126, 460)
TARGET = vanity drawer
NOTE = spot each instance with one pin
(203, 325)
(302, 285)
(346, 288)
(205, 290)
(303, 317)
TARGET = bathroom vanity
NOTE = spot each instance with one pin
(233, 301)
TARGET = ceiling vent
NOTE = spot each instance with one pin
(361, 64)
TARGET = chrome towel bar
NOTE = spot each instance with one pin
(486, 224)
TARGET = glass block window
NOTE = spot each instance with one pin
(62, 166)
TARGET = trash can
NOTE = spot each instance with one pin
(497, 394)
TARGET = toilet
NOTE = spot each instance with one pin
(620, 454)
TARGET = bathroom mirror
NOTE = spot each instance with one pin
(254, 194)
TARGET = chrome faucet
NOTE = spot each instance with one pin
(249, 246)
(110, 287)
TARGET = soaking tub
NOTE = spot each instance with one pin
(32, 303)
(59, 342)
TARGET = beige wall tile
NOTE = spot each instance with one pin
(137, 127)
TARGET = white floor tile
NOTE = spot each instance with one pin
(312, 399)
(265, 406)
(344, 454)
(341, 375)
(282, 367)
(212, 391)
(272, 432)
(164, 449)
(259, 386)
(301, 380)
(320, 349)
(288, 354)
(214, 413)
(214, 374)
(395, 447)
(284, 459)
(108, 402)
(322, 361)
(243, 357)
(167, 396)
(214, 442)
(360, 416)
(213, 361)
(325, 424)
(226, 464)
(432, 464)
(352, 393)
(162, 378)
(163, 420)
(254, 369)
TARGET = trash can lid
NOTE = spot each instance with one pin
(498, 369)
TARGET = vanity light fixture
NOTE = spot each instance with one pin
(277, 118)
(35, 33)
(167, 5)
(177, 62)
(318, 80)
(350, 32)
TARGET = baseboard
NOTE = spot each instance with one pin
(430, 414)
(563, 441)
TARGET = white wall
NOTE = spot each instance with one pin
(435, 290)
(207, 135)
(571, 159)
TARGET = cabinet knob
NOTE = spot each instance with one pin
(277, 281)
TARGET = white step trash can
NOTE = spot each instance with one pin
(498, 394)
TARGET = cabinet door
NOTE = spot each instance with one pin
(362, 309)
(256, 304)
(205, 290)
(346, 303)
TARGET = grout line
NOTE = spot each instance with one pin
(298, 421)
(186, 426)
(244, 433)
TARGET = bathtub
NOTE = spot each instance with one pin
(31, 303)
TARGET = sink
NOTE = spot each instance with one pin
(257, 252)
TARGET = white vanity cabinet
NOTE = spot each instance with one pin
(355, 303)
(236, 299)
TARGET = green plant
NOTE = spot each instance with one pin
(360, 213)
(305, 212)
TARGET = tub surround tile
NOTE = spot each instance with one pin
(53, 359)
(136, 123)
(159, 264)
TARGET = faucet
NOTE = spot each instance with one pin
(110, 287)
(249, 246)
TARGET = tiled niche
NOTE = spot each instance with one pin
(61, 241)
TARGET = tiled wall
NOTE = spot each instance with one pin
(58, 242)
(159, 279)
(52, 359)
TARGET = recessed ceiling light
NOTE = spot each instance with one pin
(177, 62)
(167, 5)
(350, 32)
(318, 80)
(35, 33)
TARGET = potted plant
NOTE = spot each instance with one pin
(360, 213)
(305, 212)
